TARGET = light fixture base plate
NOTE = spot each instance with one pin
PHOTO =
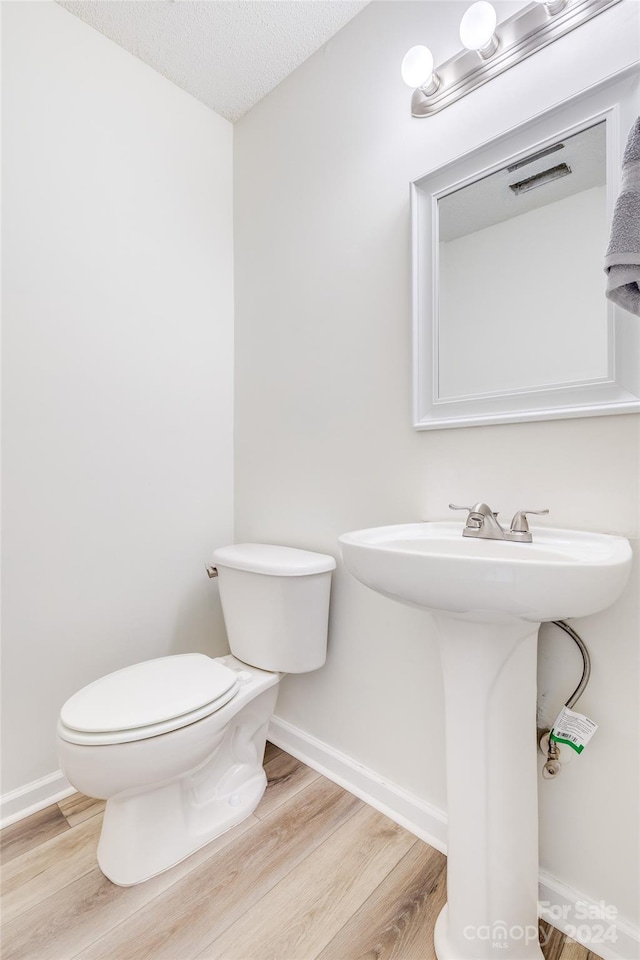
(518, 37)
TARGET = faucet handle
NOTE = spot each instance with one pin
(482, 509)
(519, 523)
(479, 514)
(471, 521)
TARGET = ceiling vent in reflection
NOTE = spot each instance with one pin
(540, 179)
(535, 156)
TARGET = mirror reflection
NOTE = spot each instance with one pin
(521, 286)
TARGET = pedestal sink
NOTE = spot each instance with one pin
(488, 598)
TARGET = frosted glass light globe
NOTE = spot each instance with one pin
(478, 25)
(417, 67)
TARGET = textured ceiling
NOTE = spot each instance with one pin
(227, 53)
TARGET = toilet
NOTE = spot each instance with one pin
(175, 745)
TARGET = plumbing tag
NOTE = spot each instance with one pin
(573, 728)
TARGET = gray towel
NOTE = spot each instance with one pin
(622, 260)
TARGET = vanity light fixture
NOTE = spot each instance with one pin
(490, 48)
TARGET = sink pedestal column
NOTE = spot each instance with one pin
(492, 867)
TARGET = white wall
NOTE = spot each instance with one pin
(118, 367)
(323, 436)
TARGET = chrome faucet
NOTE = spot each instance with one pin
(482, 522)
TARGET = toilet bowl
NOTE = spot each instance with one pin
(175, 745)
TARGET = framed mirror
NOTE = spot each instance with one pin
(510, 318)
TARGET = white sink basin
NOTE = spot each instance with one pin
(563, 573)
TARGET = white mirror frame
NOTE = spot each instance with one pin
(615, 101)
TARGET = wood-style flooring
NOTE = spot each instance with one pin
(314, 874)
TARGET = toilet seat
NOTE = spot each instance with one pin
(147, 699)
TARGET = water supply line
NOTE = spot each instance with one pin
(586, 662)
(553, 766)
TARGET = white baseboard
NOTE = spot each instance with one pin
(576, 915)
(594, 924)
(34, 796)
(427, 822)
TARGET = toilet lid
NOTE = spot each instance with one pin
(273, 561)
(149, 693)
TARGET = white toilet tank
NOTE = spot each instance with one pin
(275, 602)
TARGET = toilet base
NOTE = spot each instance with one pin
(147, 831)
(144, 835)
